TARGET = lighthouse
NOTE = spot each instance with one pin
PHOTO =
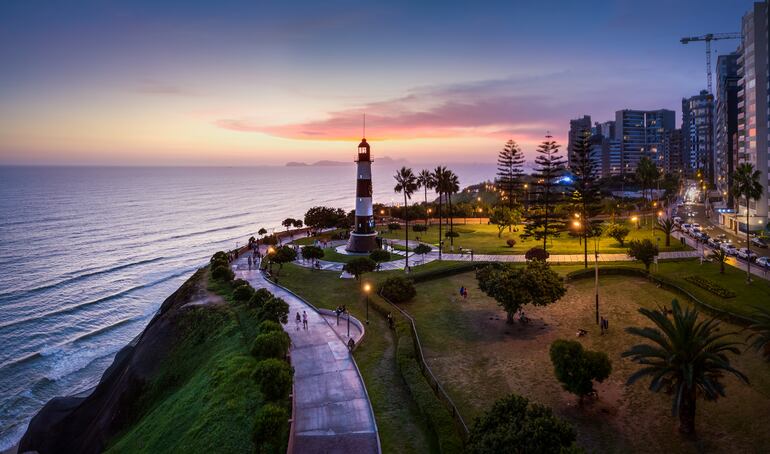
(364, 237)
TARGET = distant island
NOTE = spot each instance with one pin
(326, 163)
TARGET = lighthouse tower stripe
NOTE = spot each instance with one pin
(363, 207)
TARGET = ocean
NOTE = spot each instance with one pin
(88, 255)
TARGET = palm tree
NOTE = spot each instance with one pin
(646, 173)
(425, 181)
(746, 184)
(452, 186)
(666, 226)
(720, 256)
(688, 359)
(761, 335)
(406, 182)
(438, 178)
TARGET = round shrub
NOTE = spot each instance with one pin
(421, 249)
(243, 293)
(268, 326)
(274, 377)
(274, 344)
(238, 282)
(398, 289)
(394, 226)
(537, 253)
(270, 240)
(274, 309)
(270, 429)
(380, 255)
(451, 234)
(510, 242)
(222, 273)
(219, 256)
(259, 297)
(419, 227)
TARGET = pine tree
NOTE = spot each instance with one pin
(510, 168)
(543, 219)
(586, 195)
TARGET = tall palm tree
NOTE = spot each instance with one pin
(451, 186)
(720, 256)
(425, 181)
(760, 339)
(688, 359)
(666, 226)
(406, 183)
(438, 181)
(746, 184)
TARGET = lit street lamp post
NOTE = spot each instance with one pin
(367, 288)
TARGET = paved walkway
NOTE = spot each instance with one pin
(332, 412)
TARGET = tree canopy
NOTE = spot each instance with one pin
(577, 368)
(543, 218)
(359, 266)
(321, 217)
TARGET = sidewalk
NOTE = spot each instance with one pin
(332, 412)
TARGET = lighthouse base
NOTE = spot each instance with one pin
(362, 242)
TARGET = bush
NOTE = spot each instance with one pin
(577, 368)
(419, 228)
(238, 282)
(259, 297)
(451, 234)
(219, 256)
(243, 293)
(274, 309)
(274, 377)
(710, 286)
(222, 273)
(312, 252)
(380, 255)
(271, 429)
(394, 226)
(510, 242)
(398, 289)
(270, 240)
(359, 266)
(537, 253)
(644, 251)
(269, 326)
(421, 249)
(513, 424)
(273, 344)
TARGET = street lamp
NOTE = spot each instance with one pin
(367, 289)
(636, 219)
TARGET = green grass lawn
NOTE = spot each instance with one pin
(332, 255)
(479, 358)
(483, 239)
(326, 236)
(402, 427)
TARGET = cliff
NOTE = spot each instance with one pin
(163, 390)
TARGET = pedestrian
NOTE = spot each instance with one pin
(390, 320)
(298, 320)
(351, 344)
(465, 293)
(249, 262)
(304, 319)
(462, 290)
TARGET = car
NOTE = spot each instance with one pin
(686, 227)
(745, 254)
(728, 248)
(713, 243)
(677, 220)
(758, 242)
(695, 225)
(764, 262)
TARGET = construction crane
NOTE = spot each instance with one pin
(708, 38)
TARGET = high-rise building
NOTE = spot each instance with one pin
(753, 111)
(671, 158)
(725, 125)
(698, 134)
(577, 128)
(641, 133)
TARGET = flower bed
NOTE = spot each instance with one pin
(711, 286)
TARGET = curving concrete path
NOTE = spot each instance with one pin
(332, 412)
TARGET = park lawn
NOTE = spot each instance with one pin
(325, 236)
(482, 239)
(479, 359)
(401, 426)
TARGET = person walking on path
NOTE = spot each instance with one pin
(298, 320)
(304, 319)
(249, 262)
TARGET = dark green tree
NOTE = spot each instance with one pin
(398, 289)
(274, 309)
(618, 232)
(325, 217)
(586, 195)
(284, 254)
(543, 219)
(513, 287)
(685, 357)
(271, 429)
(759, 340)
(746, 184)
(274, 377)
(379, 255)
(406, 183)
(577, 368)
(438, 175)
(502, 217)
(359, 266)
(514, 425)
(288, 223)
(272, 344)
(312, 253)
(422, 249)
(510, 169)
(449, 184)
(720, 256)
(667, 226)
(647, 174)
(644, 251)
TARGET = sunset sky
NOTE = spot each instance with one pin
(244, 82)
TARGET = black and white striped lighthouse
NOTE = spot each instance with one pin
(364, 237)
